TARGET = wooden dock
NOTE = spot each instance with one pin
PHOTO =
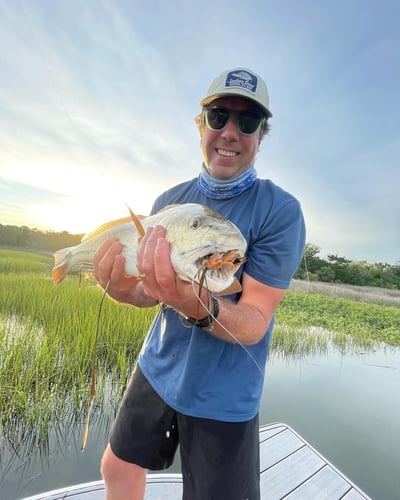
(290, 469)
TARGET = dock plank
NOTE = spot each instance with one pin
(283, 477)
(353, 494)
(277, 447)
(325, 484)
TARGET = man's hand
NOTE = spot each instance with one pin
(109, 266)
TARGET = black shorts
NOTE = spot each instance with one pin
(220, 460)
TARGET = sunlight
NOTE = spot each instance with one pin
(78, 198)
(84, 212)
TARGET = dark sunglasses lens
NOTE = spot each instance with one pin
(248, 123)
(217, 118)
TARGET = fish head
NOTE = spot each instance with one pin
(206, 247)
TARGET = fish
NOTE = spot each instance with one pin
(205, 247)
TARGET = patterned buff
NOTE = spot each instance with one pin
(221, 190)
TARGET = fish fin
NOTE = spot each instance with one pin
(235, 287)
(136, 221)
(105, 226)
(61, 265)
(58, 274)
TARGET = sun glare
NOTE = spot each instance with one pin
(82, 215)
(84, 199)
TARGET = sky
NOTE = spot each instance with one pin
(97, 100)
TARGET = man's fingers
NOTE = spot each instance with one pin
(146, 251)
(162, 265)
(108, 264)
(102, 250)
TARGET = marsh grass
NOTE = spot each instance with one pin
(311, 323)
(47, 338)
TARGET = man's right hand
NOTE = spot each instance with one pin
(109, 267)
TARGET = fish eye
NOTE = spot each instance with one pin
(195, 223)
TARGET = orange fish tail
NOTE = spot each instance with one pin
(58, 273)
(61, 265)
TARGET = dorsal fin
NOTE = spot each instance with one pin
(106, 226)
(136, 220)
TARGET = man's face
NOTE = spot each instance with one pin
(228, 153)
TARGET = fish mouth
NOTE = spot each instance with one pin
(220, 279)
(213, 268)
(221, 264)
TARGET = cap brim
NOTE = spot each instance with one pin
(209, 99)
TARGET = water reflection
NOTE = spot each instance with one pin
(347, 407)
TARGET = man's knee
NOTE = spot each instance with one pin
(108, 464)
(114, 470)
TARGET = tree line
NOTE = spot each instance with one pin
(334, 269)
(337, 269)
(35, 239)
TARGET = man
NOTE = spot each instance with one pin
(199, 381)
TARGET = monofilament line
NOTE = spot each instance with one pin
(259, 367)
(94, 362)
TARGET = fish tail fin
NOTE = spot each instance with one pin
(61, 265)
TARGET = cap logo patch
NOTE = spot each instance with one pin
(242, 79)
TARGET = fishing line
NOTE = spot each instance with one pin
(47, 66)
(94, 362)
(259, 367)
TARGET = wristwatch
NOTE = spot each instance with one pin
(207, 321)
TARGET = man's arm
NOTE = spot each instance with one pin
(248, 320)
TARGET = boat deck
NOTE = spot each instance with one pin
(290, 469)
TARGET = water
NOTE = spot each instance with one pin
(347, 407)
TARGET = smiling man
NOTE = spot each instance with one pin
(228, 151)
(200, 374)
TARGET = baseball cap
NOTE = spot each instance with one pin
(239, 82)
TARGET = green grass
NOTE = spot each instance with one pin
(335, 321)
(47, 337)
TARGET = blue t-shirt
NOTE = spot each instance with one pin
(194, 372)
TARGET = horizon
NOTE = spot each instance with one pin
(321, 254)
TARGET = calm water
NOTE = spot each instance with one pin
(348, 407)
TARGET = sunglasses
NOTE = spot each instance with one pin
(247, 122)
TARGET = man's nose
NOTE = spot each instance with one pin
(231, 131)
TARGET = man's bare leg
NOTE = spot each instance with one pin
(124, 481)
